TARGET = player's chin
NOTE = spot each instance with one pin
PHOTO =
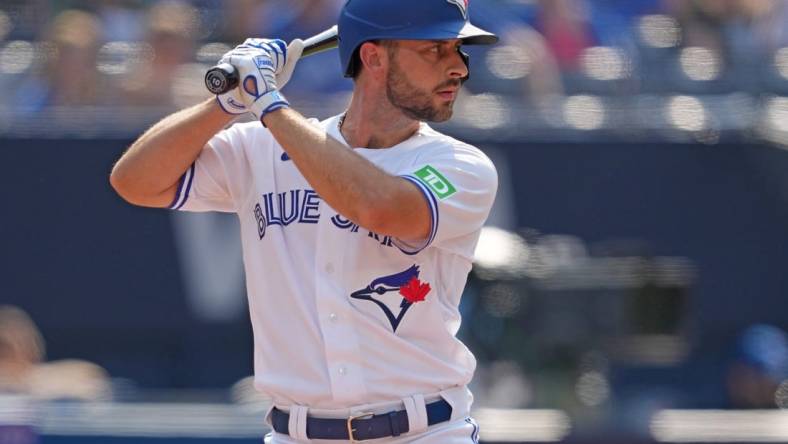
(443, 112)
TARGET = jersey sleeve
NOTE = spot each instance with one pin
(459, 186)
(218, 178)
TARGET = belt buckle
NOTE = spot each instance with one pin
(350, 428)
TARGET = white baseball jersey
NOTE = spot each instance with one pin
(343, 316)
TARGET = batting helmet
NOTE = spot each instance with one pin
(364, 20)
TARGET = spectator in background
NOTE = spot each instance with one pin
(123, 19)
(763, 24)
(565, 27)
(24, 372)
(171, 33)
(70, 379)
(743, 32)
(289, 19)
(615, 22)
(314, 16)
(29, 16)
(523, 63)
(67, 74)
(243, 18)
(758, 367)
(21, 350)
(543, 79)
(549, 39)
(311, 77)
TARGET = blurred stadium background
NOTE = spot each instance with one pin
(630, 286)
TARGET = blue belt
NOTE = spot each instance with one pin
(361, 427)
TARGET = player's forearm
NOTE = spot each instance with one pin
(341, 177)
(349, 183)
(148, 172)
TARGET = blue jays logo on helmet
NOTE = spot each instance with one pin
(406, 283)
(463, 5)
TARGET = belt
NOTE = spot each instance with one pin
(361, 427)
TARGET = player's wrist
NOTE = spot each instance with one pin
(270, 117)
(269, 102)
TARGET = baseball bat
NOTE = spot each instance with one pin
(224, 77)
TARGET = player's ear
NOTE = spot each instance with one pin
(373, 57)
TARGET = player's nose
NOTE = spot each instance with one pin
(457, 67)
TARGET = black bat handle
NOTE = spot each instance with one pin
(221, 78)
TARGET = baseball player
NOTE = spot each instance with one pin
(358, 231)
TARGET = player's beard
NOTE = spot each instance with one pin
(414, 102)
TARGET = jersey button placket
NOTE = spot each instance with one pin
(341, 341)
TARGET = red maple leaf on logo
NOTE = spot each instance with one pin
(414, 291)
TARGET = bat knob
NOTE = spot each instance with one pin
(221, 78)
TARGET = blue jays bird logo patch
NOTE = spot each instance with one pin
(406, 283)
(463, 5)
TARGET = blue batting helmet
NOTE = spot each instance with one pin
(364, 20)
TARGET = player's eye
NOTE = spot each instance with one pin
(433, 49)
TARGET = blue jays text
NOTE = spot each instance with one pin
(299, 206)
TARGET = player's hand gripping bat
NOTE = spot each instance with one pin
(224, 77)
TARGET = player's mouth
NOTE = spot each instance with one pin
(447, 94)
(448, 90)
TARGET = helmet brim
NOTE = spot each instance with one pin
(473, 35)
(464, 30)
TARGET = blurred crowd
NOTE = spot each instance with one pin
(155, 52)
(132, 52)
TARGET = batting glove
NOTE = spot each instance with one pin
(263, 66)
(232, 102)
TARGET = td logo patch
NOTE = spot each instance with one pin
(435, 180)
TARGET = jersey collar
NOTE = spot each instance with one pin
(331, 126)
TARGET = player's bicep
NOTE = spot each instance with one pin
(206, 186)
(214, 181)
(165, 199)
(412, 218)
(419, 221)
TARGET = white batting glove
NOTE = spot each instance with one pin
(232, 102)
(263, 66)
(294, 51)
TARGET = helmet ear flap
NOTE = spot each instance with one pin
(466, 59)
